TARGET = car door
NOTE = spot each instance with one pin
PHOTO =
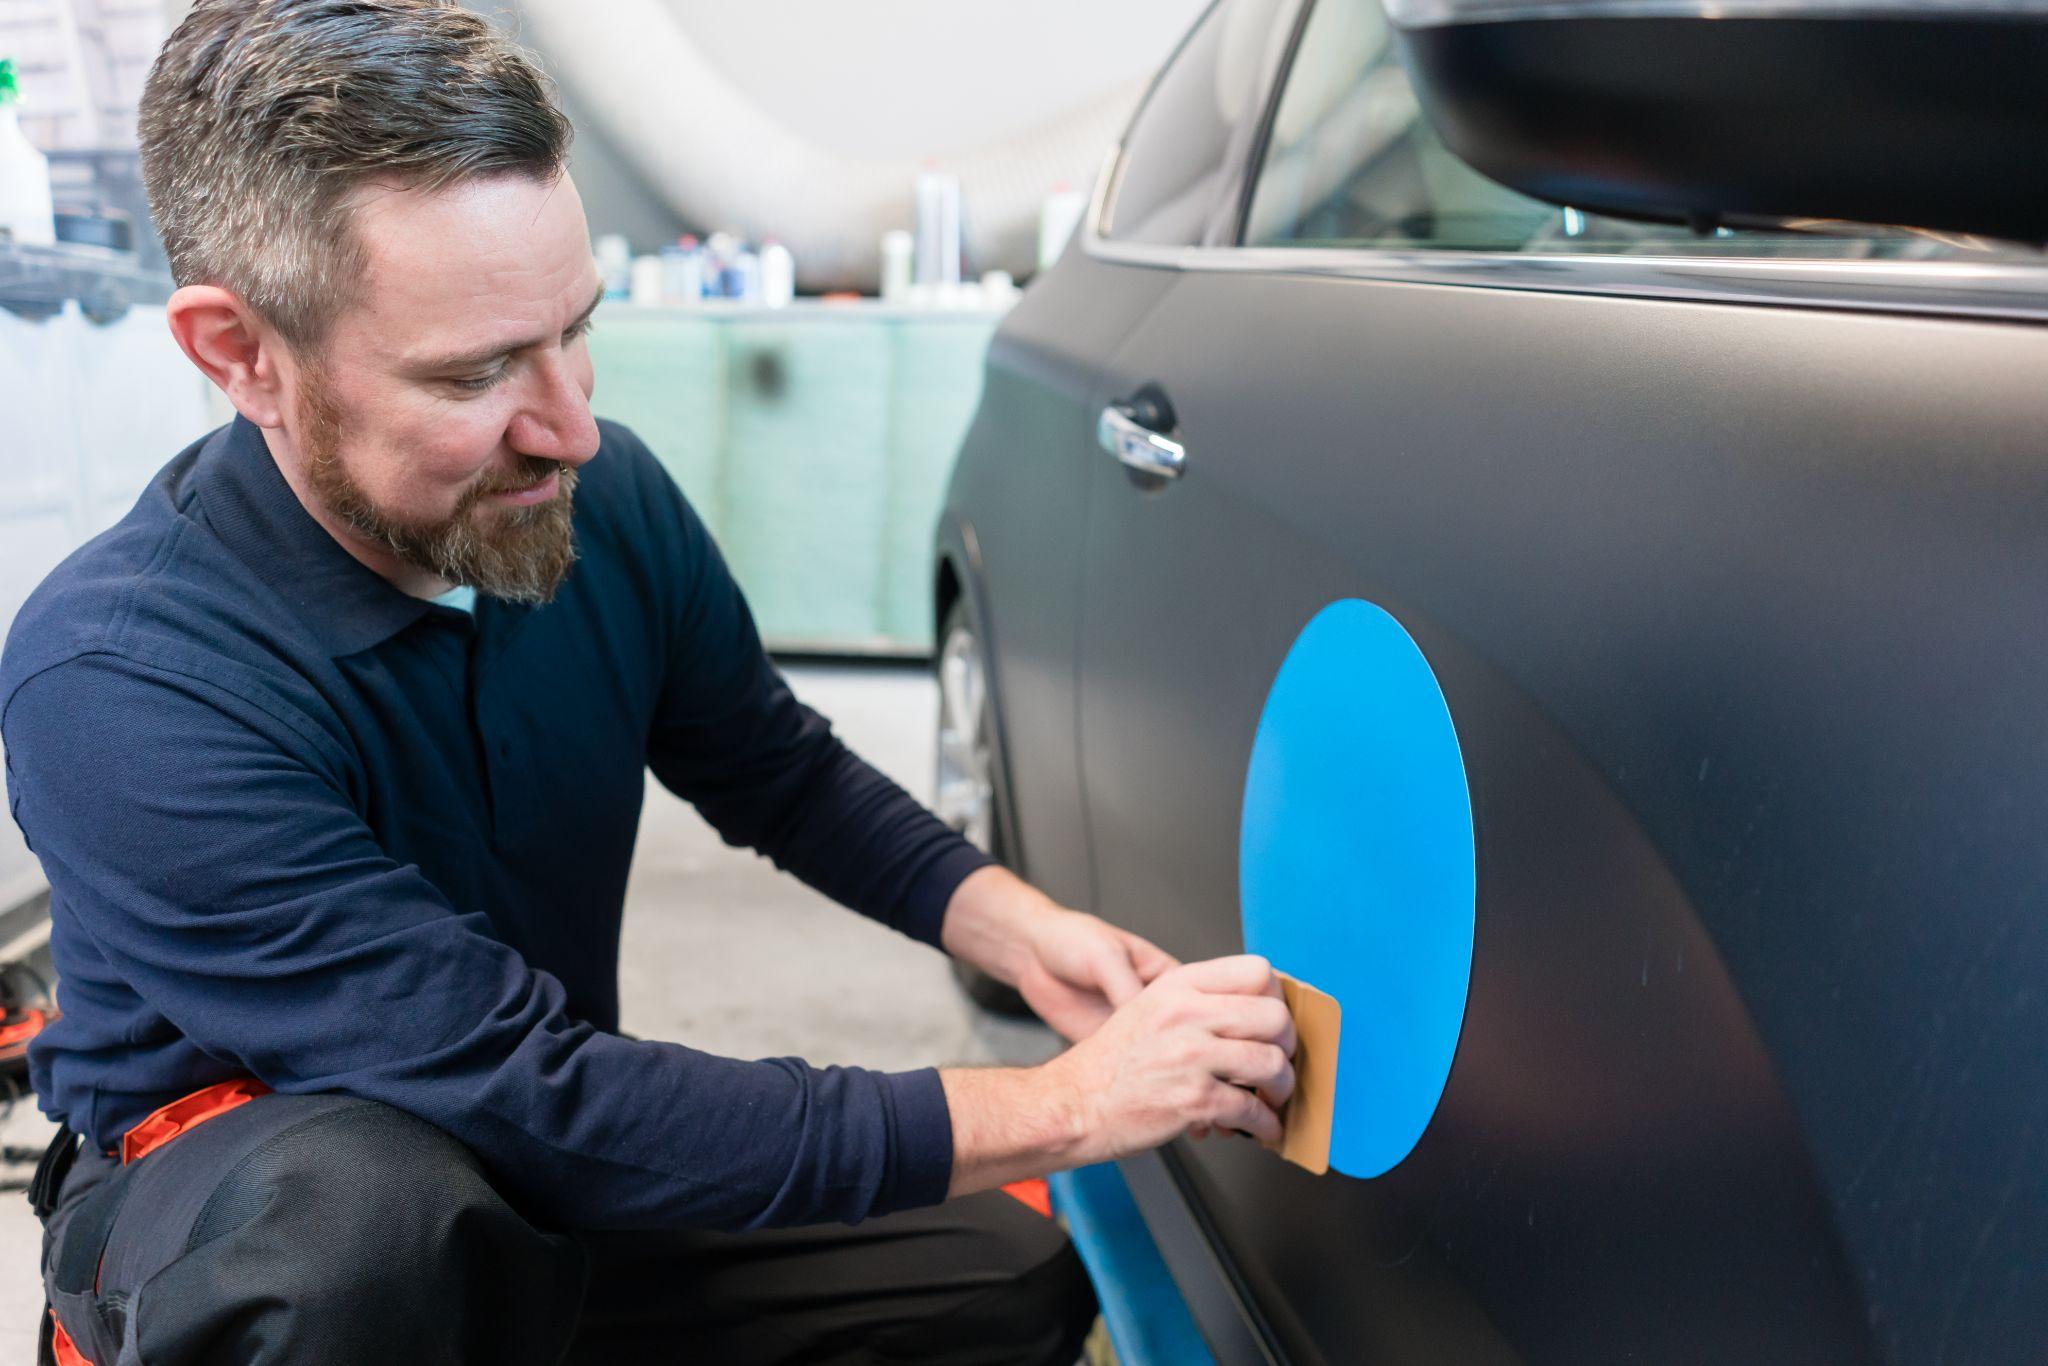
(1666, 543)
(1016, 506)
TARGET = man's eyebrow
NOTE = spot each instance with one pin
(472, 360)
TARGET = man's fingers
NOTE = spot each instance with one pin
(1244, 974)
(1149, 959)
(1259, 1018)
(1076, 1012)
(1245, 1111)
(1115, 974)
(1261, 1066)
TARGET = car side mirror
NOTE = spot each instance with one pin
(1913, 113)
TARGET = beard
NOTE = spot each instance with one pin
(520, 554)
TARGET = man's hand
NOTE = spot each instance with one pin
(1208, 1045)
(1074, 969)
(1083, 968)
(1205, 1045)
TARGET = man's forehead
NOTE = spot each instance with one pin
(443, 268)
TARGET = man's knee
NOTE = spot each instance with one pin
(1047, 1312)
(345, 1181)
(359, 1233)
(1038, 1317)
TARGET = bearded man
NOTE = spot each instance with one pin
(333, 752)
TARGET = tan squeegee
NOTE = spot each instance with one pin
(1305, 1122)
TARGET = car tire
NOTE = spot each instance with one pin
(966, 793)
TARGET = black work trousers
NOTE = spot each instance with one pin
(324, 1230)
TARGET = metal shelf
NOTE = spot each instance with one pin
(37, 282)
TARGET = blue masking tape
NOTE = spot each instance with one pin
(1356, 869)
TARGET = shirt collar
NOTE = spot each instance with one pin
(348, 605)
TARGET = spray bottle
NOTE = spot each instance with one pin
(25, 209)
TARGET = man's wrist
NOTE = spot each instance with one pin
(1014, 1123)
(989, 919)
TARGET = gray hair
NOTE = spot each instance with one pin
(261, 119)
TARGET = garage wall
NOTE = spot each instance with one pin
(911, 78)
(886, 80)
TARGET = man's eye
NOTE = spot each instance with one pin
(480, 383)
(582, 329)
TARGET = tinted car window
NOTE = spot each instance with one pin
(1184, 144)
(1351, 161)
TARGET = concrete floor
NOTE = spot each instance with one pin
(724, 953)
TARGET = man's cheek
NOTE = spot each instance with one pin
(454, 474)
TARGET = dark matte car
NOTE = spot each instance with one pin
(1723, 525)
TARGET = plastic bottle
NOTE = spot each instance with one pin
(721, 266)
(25, 209)
(682, 272)
(938, 227)
(748, 265)
(646, 289)
(615, 265)
(898, 250)
(778, 274)
(998, 289)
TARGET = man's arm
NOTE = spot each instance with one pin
(206, 846)
(765, 770)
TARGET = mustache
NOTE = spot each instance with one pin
(533, 471)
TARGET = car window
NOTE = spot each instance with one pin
(1352, 162)
(1183, 147)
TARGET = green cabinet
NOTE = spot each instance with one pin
(815, 441)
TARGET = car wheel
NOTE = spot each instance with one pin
(966, 793)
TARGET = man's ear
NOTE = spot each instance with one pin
(225, 339)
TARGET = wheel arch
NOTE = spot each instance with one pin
(955, 583)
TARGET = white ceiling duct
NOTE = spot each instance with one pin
(719, 159)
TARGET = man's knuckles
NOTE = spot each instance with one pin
(1193, 1097)
(1256, 1017)
(1244, 1111)
(1240, 974)
(1278, 1086)
(1276, 1023)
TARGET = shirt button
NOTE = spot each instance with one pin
(504, 749)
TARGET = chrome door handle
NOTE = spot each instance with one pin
(1137, 446)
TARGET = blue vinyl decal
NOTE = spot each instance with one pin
(1356, 869)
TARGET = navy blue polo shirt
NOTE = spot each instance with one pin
(301, 826)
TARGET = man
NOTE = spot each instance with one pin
(333, 752)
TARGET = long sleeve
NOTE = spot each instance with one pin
(767, 772)
(204, 847)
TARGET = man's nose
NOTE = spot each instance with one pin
(555, 423)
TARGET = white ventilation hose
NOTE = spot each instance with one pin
(718, 159)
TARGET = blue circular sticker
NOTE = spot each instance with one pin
(1356, 868)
